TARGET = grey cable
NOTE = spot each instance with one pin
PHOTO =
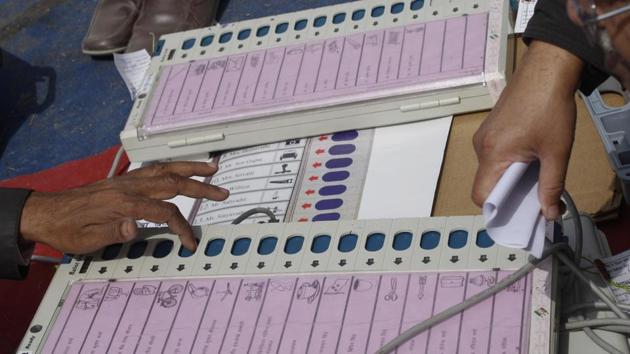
(612, 329)
(451, 311)
(596, 322)
(592, 306)
(601, 342)
(250, 212)
(579, 236)
(588, 331)
(112, 169)
(512, 278)
(579, 243)
(599, 292)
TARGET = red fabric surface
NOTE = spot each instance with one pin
(618, 231)
(68, 175)
(19, 299)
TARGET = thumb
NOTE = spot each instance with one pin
(102, 235)
(488, 174)
(127, 229)
(553, 170)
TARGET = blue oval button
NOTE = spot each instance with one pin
(262, 31)
(429, 240)
(293, 244)
(402, 240)
(111, 251)
(374, 242)
(483, 239)
(163, 248)
(189, 43)
(397, 8)
(332, 190)
(267, 245)
(207, 40)
(378, 11)
(328, 204)
(339, 18)
(137, 250)
(345, 136)
(320, 243)
(214, 247)
(225, 37)
(342, 149)
(320, 21)
(327, 217)
(457, 239)
(240, 246)
(300, 25)
(335, 176)
(184, 252)
(358, 14)
(339, 163)
(347, 242)
(282, 27)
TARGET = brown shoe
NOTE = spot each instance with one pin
(111, 26)
(158, 17)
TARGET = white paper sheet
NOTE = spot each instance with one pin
(132, 67)
(183, 203)
(512, 210)
(404, 168)
(525, 12)
(618, 267)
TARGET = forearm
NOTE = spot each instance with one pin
(551, 24)
(547, 70)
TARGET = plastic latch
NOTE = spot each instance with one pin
(450, 101)
(430, 104)
(177, 143)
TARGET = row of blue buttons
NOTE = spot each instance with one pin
(301, 24)
(374, 242)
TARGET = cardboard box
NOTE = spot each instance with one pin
(590, 179)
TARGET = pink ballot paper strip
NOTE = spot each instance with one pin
(317, 73)
(340, 313)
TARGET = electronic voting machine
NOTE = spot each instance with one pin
(356, 65)
(325, 287)
(346, 286)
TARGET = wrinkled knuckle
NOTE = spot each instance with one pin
(171, 209)
(554, 190)
(556, 187)
(476, 139)
(159, 169)
(129, 204)
(172, 179)
(485, 142)
(476, 197)
(120, 238)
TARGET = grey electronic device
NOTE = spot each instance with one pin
(350, 66)
(613, 126)
(88, 295)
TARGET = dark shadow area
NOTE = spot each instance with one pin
(24, 91)
(221, 8)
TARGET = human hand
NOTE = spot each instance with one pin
(85, 219)
(534, 119)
